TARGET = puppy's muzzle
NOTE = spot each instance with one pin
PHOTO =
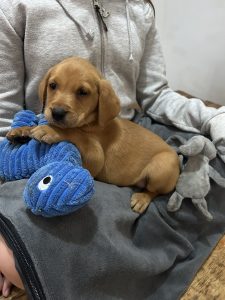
(58, 113)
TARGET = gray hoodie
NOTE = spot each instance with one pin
(121, 40)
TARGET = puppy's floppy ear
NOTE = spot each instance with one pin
(42, 91)
(109, 104)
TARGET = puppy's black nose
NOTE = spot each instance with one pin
(58, 113)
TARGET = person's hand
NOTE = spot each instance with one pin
(217, 132)
(5, 286)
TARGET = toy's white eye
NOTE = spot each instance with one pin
(45, 183)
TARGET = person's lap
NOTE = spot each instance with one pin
(175, 247)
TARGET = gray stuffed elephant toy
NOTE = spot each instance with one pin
(194, 180)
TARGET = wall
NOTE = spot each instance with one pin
(193, 40)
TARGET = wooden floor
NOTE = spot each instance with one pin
(209, 283)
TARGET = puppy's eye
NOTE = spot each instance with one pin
(53, 85)
(82, 92)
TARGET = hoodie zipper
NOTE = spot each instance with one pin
(23, 258)
(101, 14)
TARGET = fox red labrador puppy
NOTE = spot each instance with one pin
(82, 107)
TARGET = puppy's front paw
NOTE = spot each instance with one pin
(46, 134)
(140, 202)
(19, 135)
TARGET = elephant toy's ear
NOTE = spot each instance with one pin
(193, 147)
(199, 145)
(209, 149)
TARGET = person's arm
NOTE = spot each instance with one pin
(164, 105)
(161, 102)
(11, 73)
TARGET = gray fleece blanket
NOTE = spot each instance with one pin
(106, 251)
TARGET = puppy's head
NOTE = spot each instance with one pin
(74, 94)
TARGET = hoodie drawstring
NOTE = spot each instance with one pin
(89, 35)
(131, 57)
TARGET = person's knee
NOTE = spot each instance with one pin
(7, 265)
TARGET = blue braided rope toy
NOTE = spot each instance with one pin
(58, 184)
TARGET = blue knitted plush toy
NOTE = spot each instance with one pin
(58, 184)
